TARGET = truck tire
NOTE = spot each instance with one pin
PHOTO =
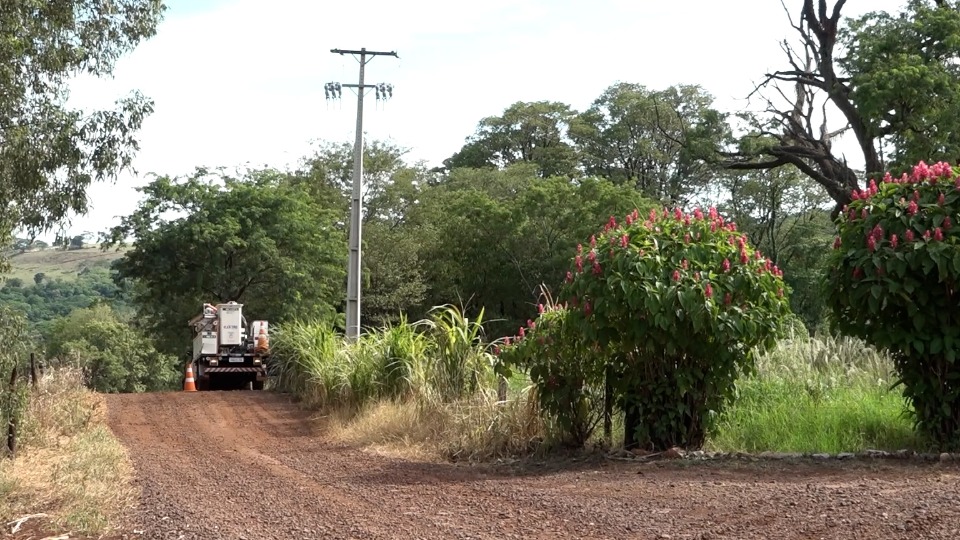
(257, 385)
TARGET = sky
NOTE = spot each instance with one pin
(240, 82)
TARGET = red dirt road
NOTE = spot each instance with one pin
(248, 465)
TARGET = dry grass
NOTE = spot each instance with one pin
(58, 264)
(69, 465)
(475, 428)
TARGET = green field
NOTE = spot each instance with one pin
(55, 263)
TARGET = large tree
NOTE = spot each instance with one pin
(258, 240)
(525, 132)
(895, 82)
(49, 153)
(653, 140)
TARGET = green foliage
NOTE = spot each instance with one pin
(653, 140)
(905, 79)
(13, 401)
(567, 372)
(262, 241)
(439, 360)
(50, 153)
(894, 275)
(491, 238)
(677, 305)
(823, 394)
(52, 298)
(114, 356)
(525, 132)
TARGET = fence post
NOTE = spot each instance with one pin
(33, 370)
(608, 407)
(12, 423)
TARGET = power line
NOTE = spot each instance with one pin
(334, 90)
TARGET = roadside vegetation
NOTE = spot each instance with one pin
(69, 465)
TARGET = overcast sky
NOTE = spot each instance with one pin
(239, 83)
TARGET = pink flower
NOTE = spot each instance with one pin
(677, 214)
(727, 299)
(743, 257)
(938, 234)
(926, 234)
(579, 262)
(686, 220)
(569, 277)
(941, 199)
(887, 178)
(522, 333)
(921, 172)
(836, 243)
(909, 236)
(947, 223)
(708, 291)
(592, 255)
(696, 276)
(726, 265)
(685, 264)
(531, 325)
(624, 241)
(587, 309)
(855, 195)
(698, 214)
(776, 271)
(596, 269)
(629, 220)
(871, 244)
(676, 275)
(540, 307)
(852, 214)
(894, 241)
(686, 238)
(496, 350)
(916, 195)
(864, 213)
(877, 233)
(653, 215)
(579, 249)
(713, 213)
(780, 292)
(593, 240)
(912, 208)
(506, 341)
(713, 226)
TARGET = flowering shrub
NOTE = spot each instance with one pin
(675, 307)
(895, 269)
(568, 374)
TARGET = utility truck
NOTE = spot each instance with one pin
(225, 354)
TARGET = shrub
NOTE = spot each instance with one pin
(894, 274)
(568, 374)
(675, 307)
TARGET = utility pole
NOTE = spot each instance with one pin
(384, 91)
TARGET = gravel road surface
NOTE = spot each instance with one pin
(249, 465)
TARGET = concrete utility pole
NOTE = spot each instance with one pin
(384, 91)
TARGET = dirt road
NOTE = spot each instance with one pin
(246, 465)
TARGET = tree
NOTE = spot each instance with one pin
(653, 140)
(256, 240)
(525, 132)
(50, 153)
(76, 242)
(38, 277)
(894, 81)
(114, 356)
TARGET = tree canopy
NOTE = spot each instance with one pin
(256, 240)
(49, 153)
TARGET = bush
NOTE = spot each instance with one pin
(894, 274)
(442, 359)
(674, 308)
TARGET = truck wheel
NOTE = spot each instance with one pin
(203, 383)
(257, 385)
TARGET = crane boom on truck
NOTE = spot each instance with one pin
(225, 354)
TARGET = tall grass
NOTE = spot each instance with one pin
(428, 384)
(822, 394)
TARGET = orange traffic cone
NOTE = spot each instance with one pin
(189, 385)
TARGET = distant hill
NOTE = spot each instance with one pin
(55, 263)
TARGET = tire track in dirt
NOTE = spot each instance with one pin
(251, 465)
